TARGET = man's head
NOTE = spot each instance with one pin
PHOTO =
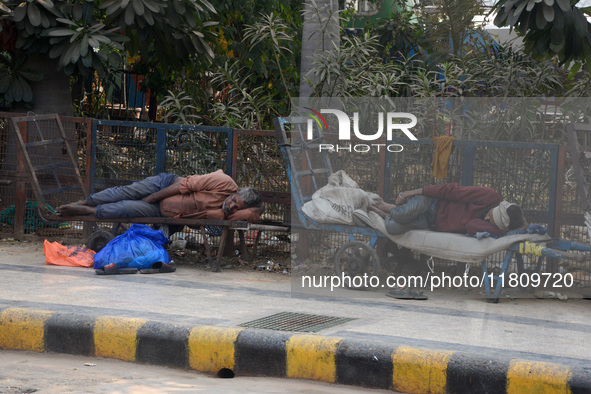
(247, 197)
(506, 216)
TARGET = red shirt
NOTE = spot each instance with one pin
(459, 208)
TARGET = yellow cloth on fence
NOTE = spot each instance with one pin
(443, 145)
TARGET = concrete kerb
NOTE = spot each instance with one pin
(248, 352)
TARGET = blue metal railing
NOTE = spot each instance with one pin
(162, 132)
(469, 170)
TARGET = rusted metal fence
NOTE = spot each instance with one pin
(17, 203)
(115, 152)
(534, 175)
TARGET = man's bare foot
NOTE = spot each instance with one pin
(80, 202)
(383, 206)
(75, 209)
(373, 208)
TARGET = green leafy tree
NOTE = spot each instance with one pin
(321, 34)
(273, 32)
(271, 60)
(255, 70)
(549, 28)
(450, 27)
(81, 37)
(399, 32)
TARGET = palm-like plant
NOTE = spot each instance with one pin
(549, 28)
(87, 46)
(271, 30)
(355, 69)
(179, 108)
(86, 36)
(15, 79)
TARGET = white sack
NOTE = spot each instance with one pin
(335, 202)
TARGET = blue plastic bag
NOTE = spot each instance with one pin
(139, 247)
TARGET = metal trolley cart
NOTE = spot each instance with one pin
(308, 169)
(55, 178)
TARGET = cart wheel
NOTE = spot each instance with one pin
(356, 258)
(99, 240)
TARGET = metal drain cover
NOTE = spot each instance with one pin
(290, 321)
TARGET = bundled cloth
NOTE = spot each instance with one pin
(443, 147)
(335, 202)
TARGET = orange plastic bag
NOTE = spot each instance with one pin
(70, 256)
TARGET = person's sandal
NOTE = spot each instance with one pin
(400, 294)
(407, 294)
(158, 268)
(418, 295)
(112, 269)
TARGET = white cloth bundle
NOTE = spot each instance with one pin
(335, 202)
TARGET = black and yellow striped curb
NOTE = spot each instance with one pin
(248, 352)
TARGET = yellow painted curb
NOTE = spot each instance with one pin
(537, 377)
(312, 357)
(116, 337)
(419, 370)
(23, 329)
(212, 348)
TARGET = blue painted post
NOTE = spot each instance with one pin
(468, 164)
(230, 151)
(160, 149)
(553, 181)
(93, 155)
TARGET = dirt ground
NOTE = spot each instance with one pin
(272, 252)
(266, 259)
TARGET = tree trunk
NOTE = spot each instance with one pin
(52, 94)
(152, 106)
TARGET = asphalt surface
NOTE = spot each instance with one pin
(537, 330)
(30, 372)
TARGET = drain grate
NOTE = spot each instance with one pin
(290, 321)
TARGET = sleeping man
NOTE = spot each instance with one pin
(210, 196)
(448, 208)
(451, 208)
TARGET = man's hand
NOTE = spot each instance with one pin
(403, 197)
(150, 199)
(400, 201)
(169, 191)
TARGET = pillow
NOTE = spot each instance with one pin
(247, 215)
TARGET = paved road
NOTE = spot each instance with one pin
(27, 372)
(538, 330)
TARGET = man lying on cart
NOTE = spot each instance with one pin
(449, 208)
(209, 196)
